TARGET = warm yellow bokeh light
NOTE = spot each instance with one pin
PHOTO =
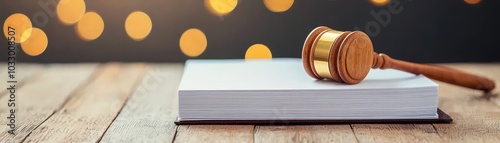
(138, 25)
(278, 5)
(21, 25)
(36, 43)
(221, 7)
(472, 1)
(193, 42)
(380, 2)
(90, 27)
(258, 51)
(70, 11)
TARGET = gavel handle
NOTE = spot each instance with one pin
(439, 73)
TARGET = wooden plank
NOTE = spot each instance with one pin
(23, 71)
(471, 127)
(215, 133)
(279, 134)
(396, 133)
(90, 111)
(41, 96)
(476, 115)
(149, 114)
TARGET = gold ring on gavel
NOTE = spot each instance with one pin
(326, 55)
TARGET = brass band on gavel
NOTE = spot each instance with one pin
(326, 52)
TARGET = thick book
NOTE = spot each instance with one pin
(279, 91)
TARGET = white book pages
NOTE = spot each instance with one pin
(263, 89)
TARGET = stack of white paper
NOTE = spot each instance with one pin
(280, 89)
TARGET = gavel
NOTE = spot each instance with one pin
(347, 57)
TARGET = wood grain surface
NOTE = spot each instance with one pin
(324, 133)
(149, 115)
(476, 115)
(89, 112)
(22, 72)
(215, 133)
(39, 98)
(137, 102)
(396, 133)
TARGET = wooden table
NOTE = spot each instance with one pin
(137, 102)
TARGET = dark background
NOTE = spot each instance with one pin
(424, 31)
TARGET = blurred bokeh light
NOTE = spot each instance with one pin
(138, 25)
(278, 5)
(22, 25)
(70, 11)
(380, 2)
(193, 42)
(221, 7)
(472, 1)
(36, 43)
(258, 51)
(90, 27)
(234, 28)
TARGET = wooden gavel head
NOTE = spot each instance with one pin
(343, 56)
(347, 57)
